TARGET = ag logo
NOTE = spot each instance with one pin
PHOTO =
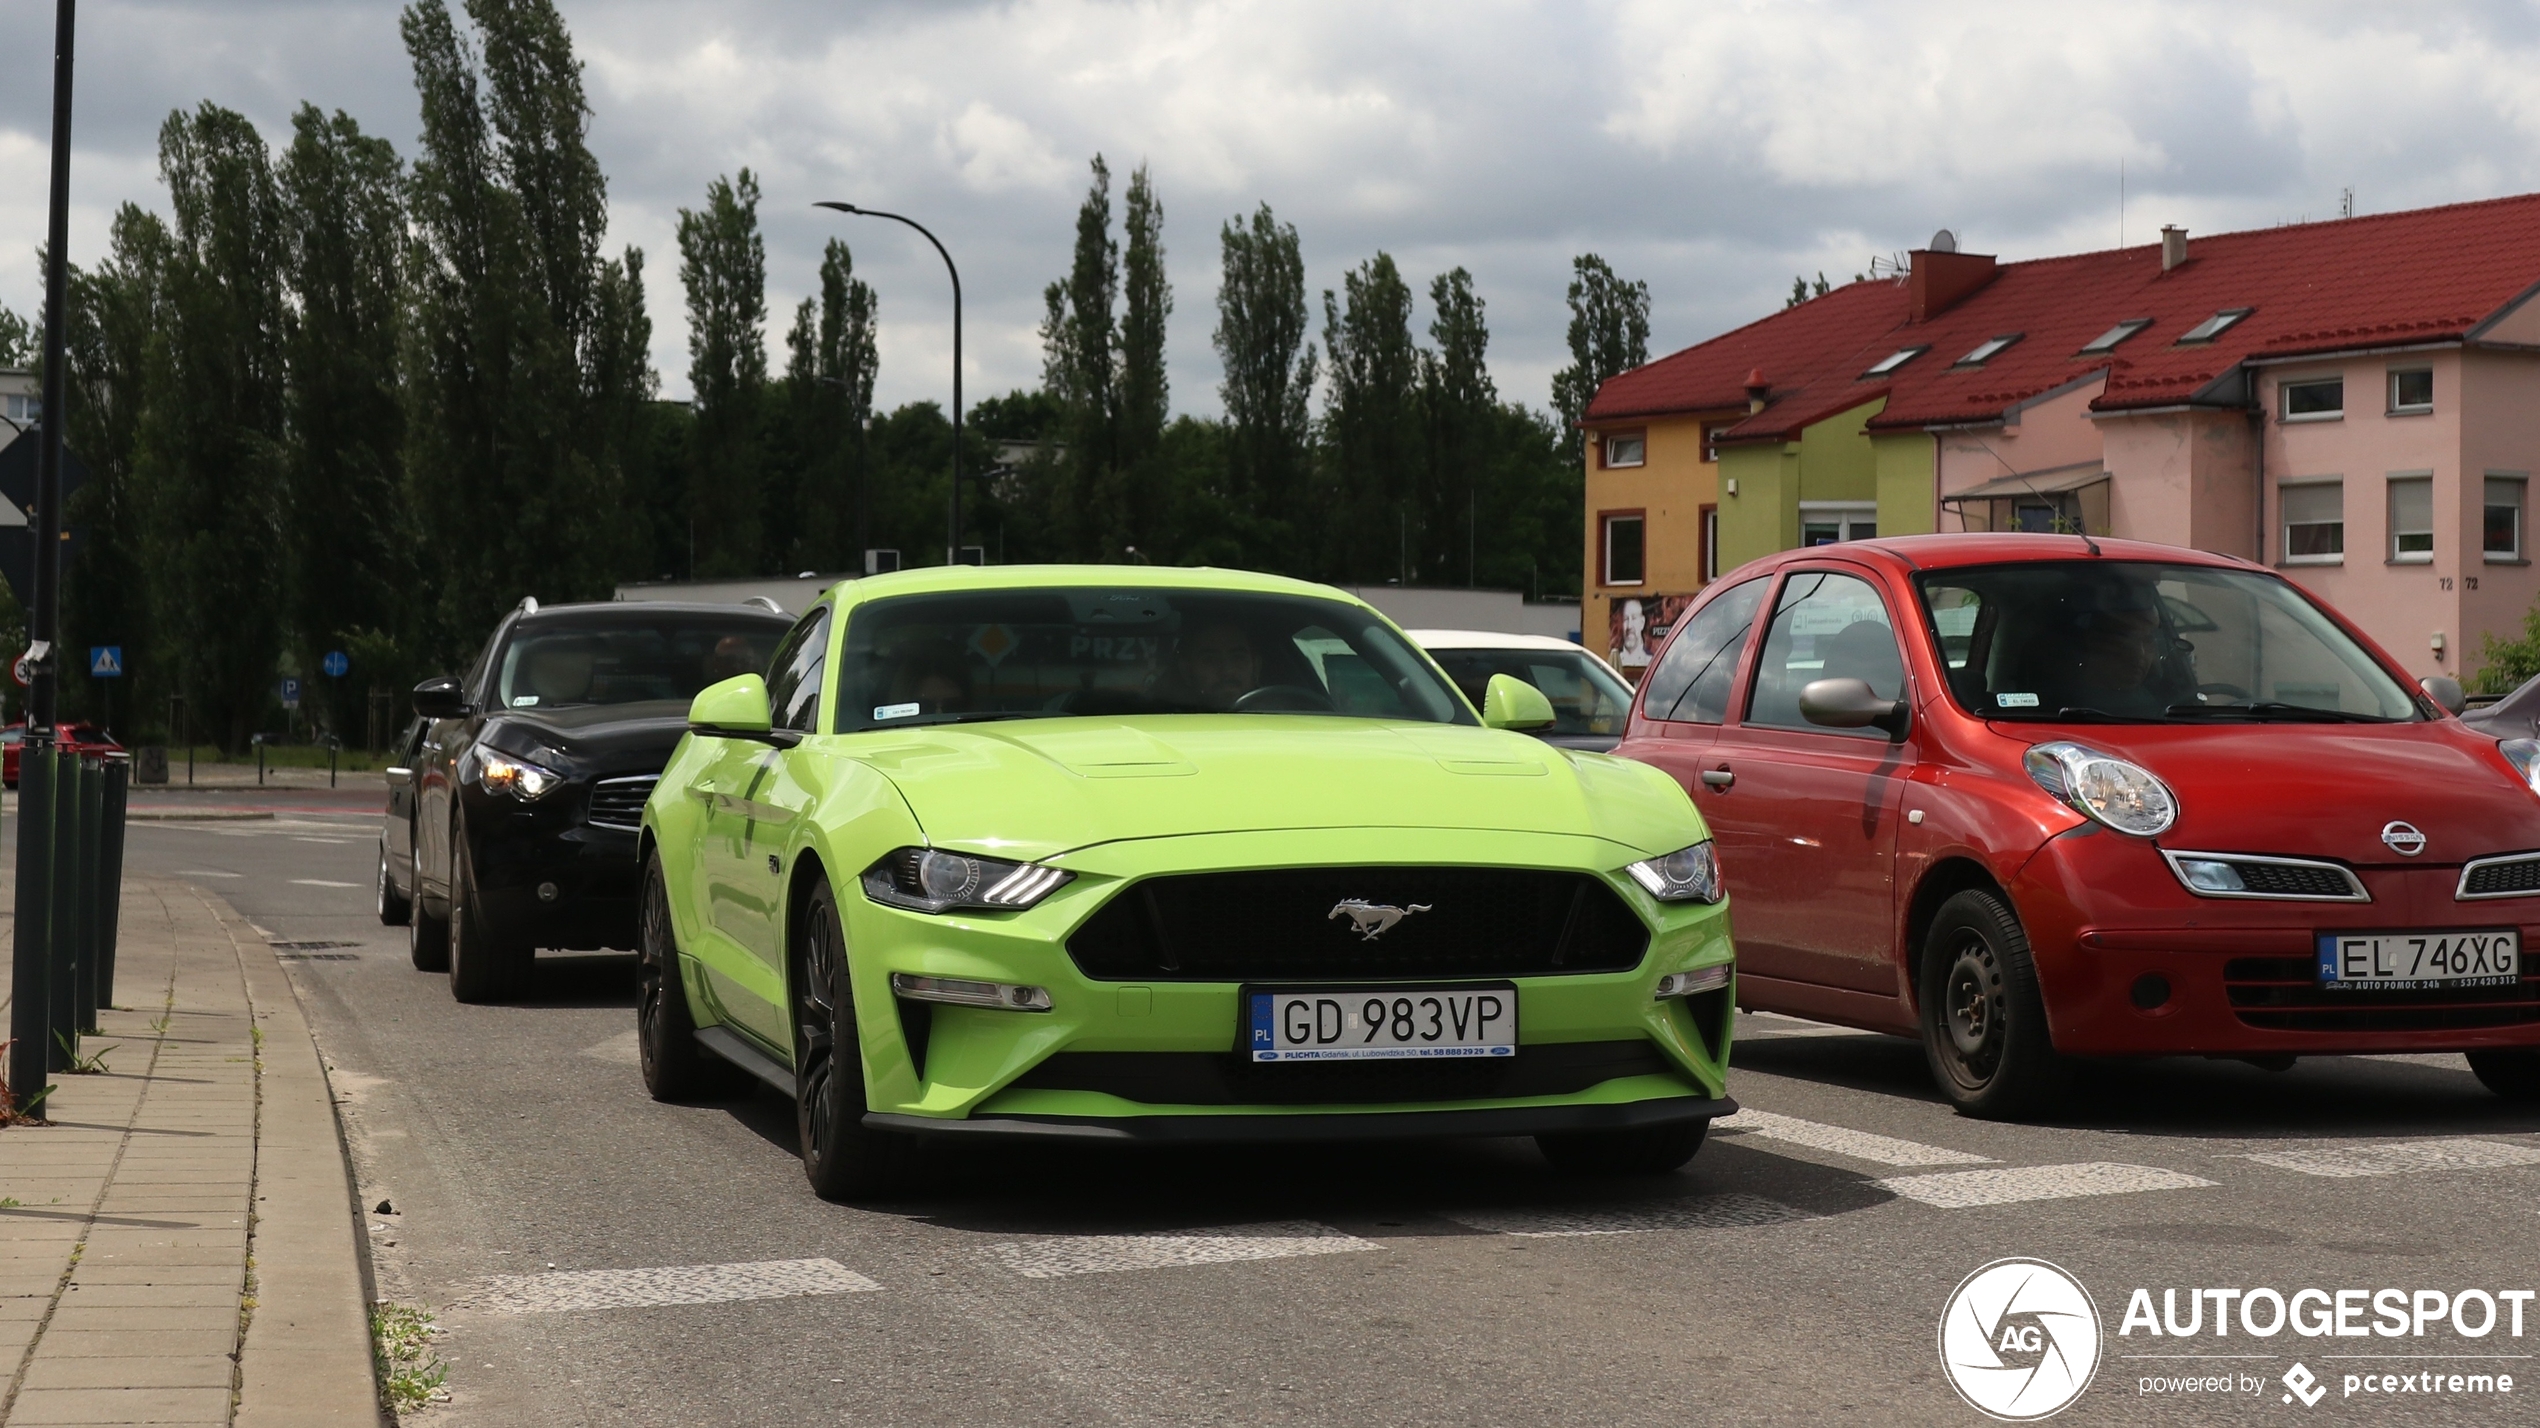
(2019, 1340)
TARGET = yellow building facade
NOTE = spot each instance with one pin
(1653, 505)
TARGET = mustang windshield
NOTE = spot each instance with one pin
(584, 662)
(1026, 653)
(2144, 643)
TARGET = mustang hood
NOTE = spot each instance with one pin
(1035, 788)
(2327, 790)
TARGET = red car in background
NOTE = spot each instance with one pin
(76, 736)
(2029, 797)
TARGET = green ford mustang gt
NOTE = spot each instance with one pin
(1178, 855)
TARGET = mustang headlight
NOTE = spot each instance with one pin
(1685, 875)
(2524, 755)
(2126, 796)
(502, 773)
(932, 880)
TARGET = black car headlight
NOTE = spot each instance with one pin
(932, 880)
(1685, 875)
(512, 775)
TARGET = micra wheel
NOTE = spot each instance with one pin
(427, 937)
(394, 907)
(1646, 1150)
(2514, 1075)
(1984, 1023)
(483, 964)
(844, 1159)
(676, 1068)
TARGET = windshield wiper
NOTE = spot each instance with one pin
(930, 720)
(2274, 711)
(2081, 714)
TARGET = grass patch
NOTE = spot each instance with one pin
(410, 1374)
(93, 1064)
(281, 756)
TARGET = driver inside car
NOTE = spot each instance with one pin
(2108, 654)
(1217, 665)
(559, 672)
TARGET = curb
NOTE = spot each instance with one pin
(193, 815)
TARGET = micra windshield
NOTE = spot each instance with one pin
(2134, 642)
(971, 656)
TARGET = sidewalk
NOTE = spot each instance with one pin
(178, 1247)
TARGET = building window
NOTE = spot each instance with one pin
(2323, 399)
(1833, 522)
(2412, 520)
(2214, 326)
(2503, 523)
(2412, 391)
(2108, 340)
(1711, 439)
(1710, 528)
(1631, 450)
(1895, 359)
(24, 410)
(1988, 349)
(2314, 522)
(1624, 556)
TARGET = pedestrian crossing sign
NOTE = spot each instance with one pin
(105, 661)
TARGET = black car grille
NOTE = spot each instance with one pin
(2293, 880)
(1203, 1078)
(2284, 994)
(619, 802)
(1283, 924)
(2503, 877)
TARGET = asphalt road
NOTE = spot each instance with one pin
(1796, 1271)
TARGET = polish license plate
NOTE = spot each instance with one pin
(2419, 961)
(1394, 1023)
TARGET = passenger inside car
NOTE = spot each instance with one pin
(936, 680)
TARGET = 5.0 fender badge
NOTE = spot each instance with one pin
(1371, 920)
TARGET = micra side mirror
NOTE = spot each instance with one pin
(2443, 689)
(1852, 704)
(442, 697)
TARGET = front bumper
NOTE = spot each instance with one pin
(1322, 1126)
(2103, 913)
(519, 848)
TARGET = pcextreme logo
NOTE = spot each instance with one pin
(2019, 1340)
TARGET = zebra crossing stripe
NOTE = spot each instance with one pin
(1968, 1189)
(677, 1284)
(2400, 1157)
(1708, 1212)
(1060, 1256)
(1860, 1145)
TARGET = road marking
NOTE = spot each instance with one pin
(1707, 1212)
(1967, 1189)
(1060, 1256)
(2400, 1157)
(1767, 1025)
(304, 838)
(204, 873)
(1860, 1145)
(322, 883)
(621, 1048)
(679, 1284)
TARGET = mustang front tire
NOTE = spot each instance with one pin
(843, 1159)
(1984, 1023)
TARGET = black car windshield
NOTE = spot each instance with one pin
(638, 659)
(1007, 654)
(1587, 697)
(2144, 643)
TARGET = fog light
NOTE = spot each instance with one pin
(2151, 991)
(546, 892)
(1685, 984)
(962, 992)
(2206, 875)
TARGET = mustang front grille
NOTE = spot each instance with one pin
(2513, 876)
(2284, 994)
(619, 802)
(1298, 924)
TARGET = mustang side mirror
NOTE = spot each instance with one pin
(2443, 689)
(734, 709)
(1851, 704)
(1512, 703)
(441, 697)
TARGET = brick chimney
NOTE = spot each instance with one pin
(2173, 246)
(1940, 280)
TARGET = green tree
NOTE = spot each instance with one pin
(723, 267)
(1080, 345)
(1147, 496)
(345, 522)
(1609, 333)
(1369, 480)
(1459, 406)
(1269, 376)
(2504, 664)
(17, 339)
(831, 363)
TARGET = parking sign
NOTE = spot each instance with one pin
(290, 694)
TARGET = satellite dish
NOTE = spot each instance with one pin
(1944, 241)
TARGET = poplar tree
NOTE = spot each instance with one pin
(17, 339)
(723, 267)
(1145, 392)
(1080, 343)
(1269, 364)
(1459, 407)
(1609, 333)
(830, 367)
(1371, 433)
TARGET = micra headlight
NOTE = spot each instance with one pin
(1685, 875)
(2524, 755)
(2126, 796)
(932, 880)
(502, 773)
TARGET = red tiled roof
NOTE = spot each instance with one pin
(2428, 275)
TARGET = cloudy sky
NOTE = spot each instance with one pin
(1711, 149)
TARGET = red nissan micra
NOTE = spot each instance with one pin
(2035, 796)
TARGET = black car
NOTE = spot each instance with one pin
(526, 783)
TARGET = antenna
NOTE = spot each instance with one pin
(2346, 202)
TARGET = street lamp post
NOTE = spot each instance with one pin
(952, 523)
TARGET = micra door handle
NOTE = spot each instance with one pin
(1718, 778)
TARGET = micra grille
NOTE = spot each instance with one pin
(2501, 877)
(619, 802)
(2284, 994)
(1284, 924)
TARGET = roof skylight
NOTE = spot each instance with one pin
(2214, 326)
(1896, 359)
(1988, 349)
(2108, 340)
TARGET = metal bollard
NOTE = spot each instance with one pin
(64, 979)
(31, 1048)
(110, 869)
(92, 816)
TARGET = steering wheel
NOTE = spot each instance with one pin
(1284, 699)
(2234, 690)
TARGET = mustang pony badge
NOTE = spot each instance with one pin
(1371, 920)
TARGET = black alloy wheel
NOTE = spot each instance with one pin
(676, 1067)
(484, 966)
(2513, 1074)
(1644, 1150)
(843, 1159)
(1984, 1022)
(393, 906)
(427, 936)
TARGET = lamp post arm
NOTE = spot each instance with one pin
(952, 543)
